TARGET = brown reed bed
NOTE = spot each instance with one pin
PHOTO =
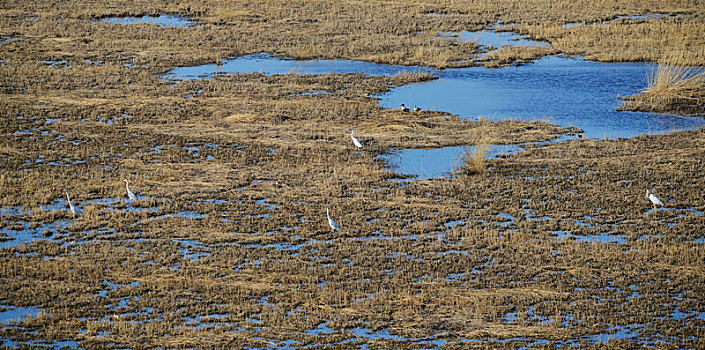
(228, 244)
(394, 33)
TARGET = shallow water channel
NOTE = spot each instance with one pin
(161, 20)
(437, 162)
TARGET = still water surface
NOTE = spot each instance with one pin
(564, 91)
(560, 90)
(161, 20)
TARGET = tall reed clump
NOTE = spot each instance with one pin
(472, 160)
(671, 88)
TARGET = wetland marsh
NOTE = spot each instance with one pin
(227, 245)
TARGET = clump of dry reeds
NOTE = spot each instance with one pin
(673, 88)
(472, 160)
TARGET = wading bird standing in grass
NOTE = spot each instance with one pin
(331, 223)
(74, 211)
(356, 142)
(130, 194)
(654, 200)
(404, 108)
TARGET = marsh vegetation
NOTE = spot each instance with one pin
(228, 244)
(671, 87)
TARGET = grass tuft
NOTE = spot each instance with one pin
(672, 88)
(472, 160)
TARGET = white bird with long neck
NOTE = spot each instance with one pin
(654, 200)
(130, 194)
(355, 141)
(74, 211)
(331, 223)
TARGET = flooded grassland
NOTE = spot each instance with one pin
(227, 243)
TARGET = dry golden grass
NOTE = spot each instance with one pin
(473, 160)
(671, 88)
(394, 33)
(228, 245)
(509, 55)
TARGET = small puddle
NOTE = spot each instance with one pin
(370, 335)
(207, 321)
(12, 234)
(193, 249)
(41, 343)
(56, 64)
(436, 162)
(321, 329)
(112, 119)
(680, 212)
(617, 333)
(597, 238)
(506, 219)
(7, 39)
(651, 16)
(161, 20)
(444, 15)
(454, 277)
(679, 315)
(265, 203)
(14, 314)
(212, 201)
(186, 214)
(313, 93)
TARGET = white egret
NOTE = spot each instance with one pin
(404, 108)
(654, 200)
(331, 223)
(130, 194)
(355, 141)
(74, 211)
(417, 109)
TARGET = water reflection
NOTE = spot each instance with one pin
(436, 162)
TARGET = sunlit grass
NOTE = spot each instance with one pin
(671, 87)
(672, 81)
(473, 159)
